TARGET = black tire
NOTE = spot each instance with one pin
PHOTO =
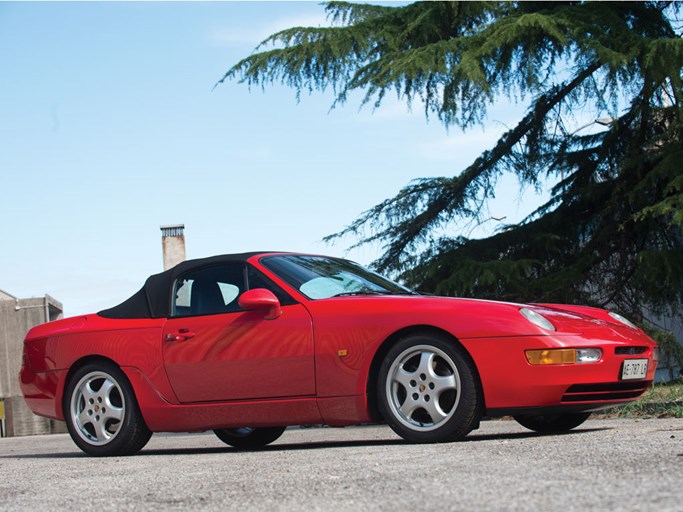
(249, 438)
(553, 423)
(101, 411)
(428, 390)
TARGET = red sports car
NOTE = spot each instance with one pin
(247, 344)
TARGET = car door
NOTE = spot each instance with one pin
(215, 351)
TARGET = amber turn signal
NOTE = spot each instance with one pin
(551, 356)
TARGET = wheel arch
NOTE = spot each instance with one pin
(390, 341)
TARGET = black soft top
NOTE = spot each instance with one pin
(153, 299)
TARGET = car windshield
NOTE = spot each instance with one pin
(321, 277)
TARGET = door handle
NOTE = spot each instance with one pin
(181, 335)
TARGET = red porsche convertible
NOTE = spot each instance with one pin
(247, 344)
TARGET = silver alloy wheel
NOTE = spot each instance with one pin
(423, 388)
(97, 408)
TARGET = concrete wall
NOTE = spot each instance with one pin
(13, 327)
(17, 316)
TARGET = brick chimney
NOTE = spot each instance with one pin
(173, 244)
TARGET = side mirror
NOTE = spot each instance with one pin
(260, 299)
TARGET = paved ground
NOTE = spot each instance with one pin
(604, 465)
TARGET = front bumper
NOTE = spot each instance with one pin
(510, 383)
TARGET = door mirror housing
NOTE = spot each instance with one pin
(260, 299)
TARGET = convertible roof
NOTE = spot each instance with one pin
(152, 300)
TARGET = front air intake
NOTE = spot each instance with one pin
(607, 392)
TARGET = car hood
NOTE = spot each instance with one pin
(477, 317)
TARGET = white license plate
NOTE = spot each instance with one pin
(634, 369)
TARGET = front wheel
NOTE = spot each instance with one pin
(247, 438)
(428, 390)
(101, 411)
(553, 423)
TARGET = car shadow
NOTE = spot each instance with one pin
(280, 447)
(316, 445)
(525, 435)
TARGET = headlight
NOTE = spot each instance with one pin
(537, 319)
(623, 320)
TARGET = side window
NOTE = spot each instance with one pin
(257, 280)
(209, 291)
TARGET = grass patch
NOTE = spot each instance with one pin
(660, 401)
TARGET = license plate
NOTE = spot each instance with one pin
(634, 369)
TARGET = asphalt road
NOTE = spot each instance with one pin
(625, 465)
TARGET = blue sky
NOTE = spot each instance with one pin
(109, 128)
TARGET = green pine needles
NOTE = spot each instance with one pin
(611, 234)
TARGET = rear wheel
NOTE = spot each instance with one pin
(249, 437)
(428, 391)
(101, 411)
(553, 423)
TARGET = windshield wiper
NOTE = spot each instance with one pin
(373, 292)
(360, 292)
